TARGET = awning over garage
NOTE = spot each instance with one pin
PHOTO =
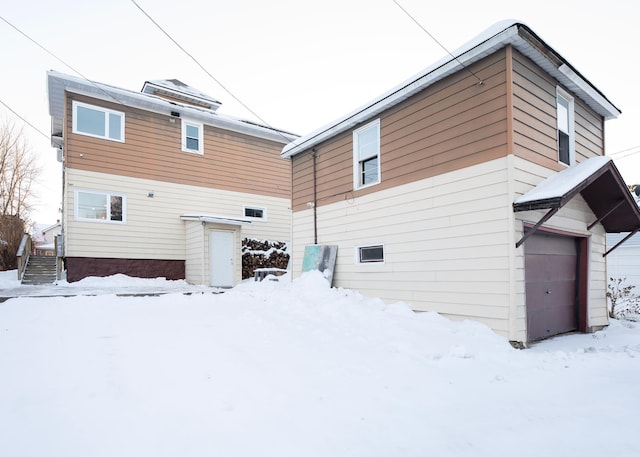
(599, 182)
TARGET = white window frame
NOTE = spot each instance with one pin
(107, 120)
(562, 94)
(358, 160)
(107, 196)
(260, 208)
(358, 257)
(187, 123)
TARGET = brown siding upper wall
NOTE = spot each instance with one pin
(454, 123)
(534, 122)
(152, 150)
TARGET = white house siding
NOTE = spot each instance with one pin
(574, 218)
(445, 242)
(153, 228)
(195, 266)
(624, 261)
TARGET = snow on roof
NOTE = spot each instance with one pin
(558, 184)
(216, 219)
(499, 35)
(177, 88)
(59, 83)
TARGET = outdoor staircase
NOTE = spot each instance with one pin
(40, 270)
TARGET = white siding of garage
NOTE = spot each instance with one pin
(573, 218)
(624, 261)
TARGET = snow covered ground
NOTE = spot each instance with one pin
(299, 369)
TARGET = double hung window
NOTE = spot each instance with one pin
(192, 137)
(565, 127)
(366, 155)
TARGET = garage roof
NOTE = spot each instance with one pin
(599, 182)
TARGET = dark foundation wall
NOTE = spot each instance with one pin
(80, 267)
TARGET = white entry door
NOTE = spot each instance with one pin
(221, 258)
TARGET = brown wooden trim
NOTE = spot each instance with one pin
(537, 226)
(529, 225)
(583, 283)
(619, 243)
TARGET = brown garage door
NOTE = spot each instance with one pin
(551, 264)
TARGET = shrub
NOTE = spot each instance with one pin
(11, 233)
(623, 302)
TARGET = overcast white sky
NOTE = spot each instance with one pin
(297, 64)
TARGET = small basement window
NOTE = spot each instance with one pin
(255, 212)
(370, 254)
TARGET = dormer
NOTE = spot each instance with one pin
(177, 91)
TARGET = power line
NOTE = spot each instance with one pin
(480, 81)
(60, 60)
(25, 121)
(206, 71)
(629, 151)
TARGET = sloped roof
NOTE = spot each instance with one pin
(500, 35)
(599, 182)
(59, 83)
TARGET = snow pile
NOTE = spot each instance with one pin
(297, 368)
(120, 280)
(9, 279)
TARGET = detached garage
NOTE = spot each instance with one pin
(557, 263)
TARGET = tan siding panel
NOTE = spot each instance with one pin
(451, 125)
(535, 118)
(152, 150)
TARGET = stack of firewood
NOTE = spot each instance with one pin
(263, 254)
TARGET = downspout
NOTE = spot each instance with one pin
(61, 251)
(314, 154)
(204, 253)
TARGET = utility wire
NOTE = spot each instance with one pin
(60, 60)
(629, 151)
(206, 71)
(25, 121)
(480, 81)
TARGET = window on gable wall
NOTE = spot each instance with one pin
(192, 137)
(98, 122)
(100, 206)
(566, 135)
(366, 155)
